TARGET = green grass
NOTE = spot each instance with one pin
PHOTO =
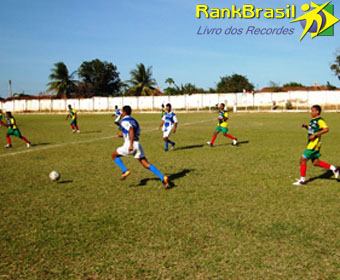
(233, 214)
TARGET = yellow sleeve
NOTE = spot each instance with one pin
(322, 124)
(12, 121)
(226, 115)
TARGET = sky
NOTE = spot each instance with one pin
(159, 33)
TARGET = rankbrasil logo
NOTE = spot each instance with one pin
(319, 20)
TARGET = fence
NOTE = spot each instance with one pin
(238, 101)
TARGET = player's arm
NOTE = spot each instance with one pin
(68, 115)
(317, 134)
(132, 137)
(175, 126)
(160, 127)
(304, 126)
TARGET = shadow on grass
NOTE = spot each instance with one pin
(326, 176)
(172, 178)
(238, 144)
(189, 147)
(90, 132)
(65, 182)
(40, 144)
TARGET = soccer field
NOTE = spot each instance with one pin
(233, 213)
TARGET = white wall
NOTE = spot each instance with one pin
(195, 101)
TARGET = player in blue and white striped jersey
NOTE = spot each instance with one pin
(168, 126)
(131, 131)
(117, 114)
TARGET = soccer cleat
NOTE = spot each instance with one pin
(234, 142)
(166, 182)
(209, 144)
(78, 131)
(28, 144)
(300, 183)
(73, 131)
(173, 146)
(165, 150)
(124, 175)
(8, 146)
(336, 172)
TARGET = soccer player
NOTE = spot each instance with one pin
(1, 123)
(168, 125)
(163, 110)
(131, 131)
(117, 114)
(73, 115)
(317, 127)
(222, 126)
(13, 130)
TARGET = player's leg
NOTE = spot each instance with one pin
(216, 132)
(166, 135)
(76, 126)
(225, 133)
(169, 141)
(322, 164)
(117, 120)
(166, 148)
(9, 143)
(139, 154)
(154, 170)
(303, 171)
(116, 156)
(73, 127)
(17, 133)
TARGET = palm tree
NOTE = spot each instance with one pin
(62, 82)
(142, 83)
(170, 81)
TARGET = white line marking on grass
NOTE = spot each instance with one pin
(83, 142)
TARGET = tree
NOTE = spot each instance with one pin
(100, 78)
(330, 86)
(141, 82)
(275, 87)
(234, 83)
(171, 91)
(62, 82)
(188, 88)
(335, 67)
(293, 84)
(170, 81)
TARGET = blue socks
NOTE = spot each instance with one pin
(120, 164)
(155, 171)
(167, 144)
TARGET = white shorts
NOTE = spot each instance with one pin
(117, 119)
(137, 151)
(167, 131)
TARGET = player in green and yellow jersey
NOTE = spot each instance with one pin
(222, 126)
(13, 130)
(163, 111)
(317, 127)
(1, 116)
(73, 115)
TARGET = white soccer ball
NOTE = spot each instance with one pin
(54, 175)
